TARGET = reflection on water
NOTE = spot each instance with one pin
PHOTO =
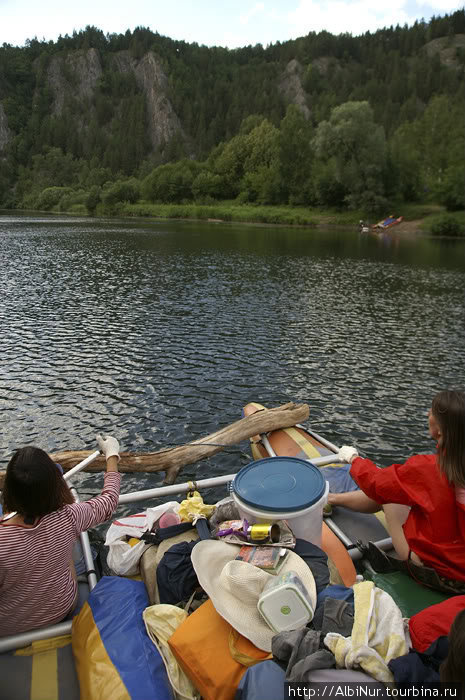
(161, 332)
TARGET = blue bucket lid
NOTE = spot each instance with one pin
(281, 484)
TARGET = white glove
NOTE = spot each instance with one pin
(347, 454)
(108, 446)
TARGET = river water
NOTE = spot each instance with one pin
(160, 332)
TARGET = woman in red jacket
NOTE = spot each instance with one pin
(424, 498)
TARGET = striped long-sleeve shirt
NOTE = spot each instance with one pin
(36, 584)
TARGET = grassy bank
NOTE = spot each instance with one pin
(244, 213)
(225, 211)
(442, 223)
(428, 218)
(427, 215)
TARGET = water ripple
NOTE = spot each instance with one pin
(160, 333)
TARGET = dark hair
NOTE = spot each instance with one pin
(33, 484)
(448, 409)
(452, 670)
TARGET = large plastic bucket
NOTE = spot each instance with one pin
(283, 488)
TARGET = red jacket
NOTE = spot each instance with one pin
(436, 522)
(433, 622)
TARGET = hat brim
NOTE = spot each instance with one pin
(209, 557)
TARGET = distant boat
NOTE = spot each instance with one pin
(387, 223)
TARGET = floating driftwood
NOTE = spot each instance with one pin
(173, 459)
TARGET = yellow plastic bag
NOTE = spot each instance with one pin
(193, 507)
(161, 621)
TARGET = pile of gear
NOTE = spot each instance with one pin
(202, 613)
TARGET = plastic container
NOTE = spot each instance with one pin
(284, 603)
(283, 488)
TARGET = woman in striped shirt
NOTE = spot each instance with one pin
(37, 579)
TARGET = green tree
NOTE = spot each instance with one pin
(229, 164)
(406, 162)
(115, 193)
(450, 191)
(93, 199)
(207, 185)
(262, 185)
(261, 181)
(295, 156)
(171, 182)
(249, 163)
(441, 137)
(261, 146)
(358, 146)
(326, 188)
(50, 197)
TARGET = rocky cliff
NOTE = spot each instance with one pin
(290, 86)
(163, 123)
(76, 75)
(449, 49)
(74, 80)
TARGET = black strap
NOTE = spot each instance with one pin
(203, 529)
(164, 533)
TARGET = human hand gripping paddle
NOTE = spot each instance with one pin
(109, 447)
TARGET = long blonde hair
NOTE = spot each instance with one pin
(448, 409)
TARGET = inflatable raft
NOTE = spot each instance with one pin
(41, 665)
(345, 532)
(388, 222)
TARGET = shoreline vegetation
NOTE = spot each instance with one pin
(319, 131)
(425, 218)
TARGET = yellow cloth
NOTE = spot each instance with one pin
(378, 634)
(193, 506)
(161, 621)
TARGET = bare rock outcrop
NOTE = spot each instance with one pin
(4, 131)
(448, 49)
(290, 86)
(163, 122)
(75, 75)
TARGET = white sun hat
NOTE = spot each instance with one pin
(234, 586)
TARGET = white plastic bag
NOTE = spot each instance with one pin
(123, 559)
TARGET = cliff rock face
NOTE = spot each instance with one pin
(4, 131)
(448, 49)
(290, 86)
(163, 123)
(76, 75)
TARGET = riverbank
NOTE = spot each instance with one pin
(424, 218)
(417, 218)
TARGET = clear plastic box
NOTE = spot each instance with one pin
(284, 603)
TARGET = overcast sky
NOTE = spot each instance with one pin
(229, 23)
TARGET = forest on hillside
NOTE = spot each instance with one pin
(323, 120)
